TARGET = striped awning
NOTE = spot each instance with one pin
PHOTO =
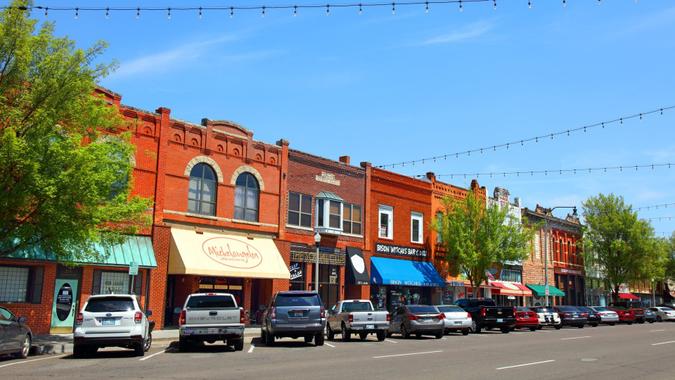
(509, 288)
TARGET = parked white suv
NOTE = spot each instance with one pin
(112, 320)
(209, 317)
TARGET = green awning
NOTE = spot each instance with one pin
(329, 195)
(135, 248)
(540, 290)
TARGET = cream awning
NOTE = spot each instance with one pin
(224, 255)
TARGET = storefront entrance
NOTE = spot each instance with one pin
(390, 297)
(329, 284)
(64, 306)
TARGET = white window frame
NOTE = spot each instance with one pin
(326, 215)
(389, 211)
(419, 217)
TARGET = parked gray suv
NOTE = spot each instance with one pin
(294, 314)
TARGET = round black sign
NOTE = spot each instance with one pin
(64, 302)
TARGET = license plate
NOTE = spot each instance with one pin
(212, 331)
(458, 322)
(108, 322)
(370, 327)
(426, 320)
(500, 320)
(296, 314)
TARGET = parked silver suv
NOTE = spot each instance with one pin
(112, 320)
(294, 314)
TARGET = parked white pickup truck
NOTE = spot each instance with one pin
(210, 317)
(357, 317)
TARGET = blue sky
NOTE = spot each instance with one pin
(384, 88)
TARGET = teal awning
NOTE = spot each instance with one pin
(135, 248)
(329, 195)
(540, 290)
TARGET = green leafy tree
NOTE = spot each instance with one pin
(475, 237)
(623, 246)
(65, 166)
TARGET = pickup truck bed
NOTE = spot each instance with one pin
(486, 314)
(211, 317)
(356, 317)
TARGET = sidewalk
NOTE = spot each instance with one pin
(63, 343)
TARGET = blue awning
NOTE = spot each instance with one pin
(403, 272)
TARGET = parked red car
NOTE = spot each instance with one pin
(526, 319)
(625, 315)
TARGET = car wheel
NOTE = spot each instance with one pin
(404, 332)
(475, 328)
(439, 335)
(147, 343)
(389, 334)
(580, 326)
(78, 351)
(238, 344)
(346, 334)
(380, 336)
(363, 336)
(539, 327)
(612, 324)
(309, 338)
(651, 321)
(558, 327)
(25, 347)
(465, 331)
(630, 323)
(318, 339)
(139, 349)
(505, 330)
(331, 333)
(533, 329)
(183, 344)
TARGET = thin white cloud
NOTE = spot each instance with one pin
(169, 59)
(469, 32)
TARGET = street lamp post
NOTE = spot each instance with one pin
(653, 292)
(546, 238)
(317, 240)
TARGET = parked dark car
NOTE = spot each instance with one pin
(294, 314)
(15, 336)
(650, 315)
(593, 318)
(486, 314)
(418, 320)
(571, 316)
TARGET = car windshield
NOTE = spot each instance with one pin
(349, 307)
(421, 309)
(450, 309)
(297, 300)
(211, 302)
(109, 304)
(600, 308)
(666, 309)
(568, 308)
(585, 309)
(522, 308)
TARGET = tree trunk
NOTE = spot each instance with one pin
(615, 294)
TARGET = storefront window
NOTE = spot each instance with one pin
(116, 282)
(297, 276)
(21, 284)
(391, 297)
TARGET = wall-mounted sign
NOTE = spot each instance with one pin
(231, 252)
(568, 271)
(296, 271)
(400, 251)
(327, 178)
(64, 301)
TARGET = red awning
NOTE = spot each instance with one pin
(508, 288)
(628, 296)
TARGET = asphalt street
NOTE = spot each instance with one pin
(606, 352)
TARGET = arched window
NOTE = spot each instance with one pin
(246, 196)
(203, 190)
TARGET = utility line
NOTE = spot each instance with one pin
(655, 207)
(603, 169)
(521, 142)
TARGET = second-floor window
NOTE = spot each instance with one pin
(299, 210)
(329, 214)
(386, 222)
(202, 190)
(351, 223)
(246, 197)
(416, 223)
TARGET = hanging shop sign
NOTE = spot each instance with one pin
(400, 250)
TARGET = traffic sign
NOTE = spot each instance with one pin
(133, 268)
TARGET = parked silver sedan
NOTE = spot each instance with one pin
(456, 319)
(418, 320)
(663, 313)
(607, 316)
(15, 336)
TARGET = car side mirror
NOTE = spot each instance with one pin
(22, 320)
(148, 313)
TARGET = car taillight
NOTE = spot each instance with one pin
(181, 318)
(350, 317)
(273, 313)
(514, 310)
(584, 314)
(138, 317)
(412, 317)
(388, 317)
(242, 316)
(323, 312)
(441, 316)
(468, 315)
(79, 319)
(483, 312)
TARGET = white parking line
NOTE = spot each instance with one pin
(408, 354)
(660, 343)
(330, 345)
(576, 337)
(252, 348)
(657, 330)
(30, 361)
(391, 341)
(444, 338)
(525, 364)
(151, 356)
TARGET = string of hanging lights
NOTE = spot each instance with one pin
(655, 207)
